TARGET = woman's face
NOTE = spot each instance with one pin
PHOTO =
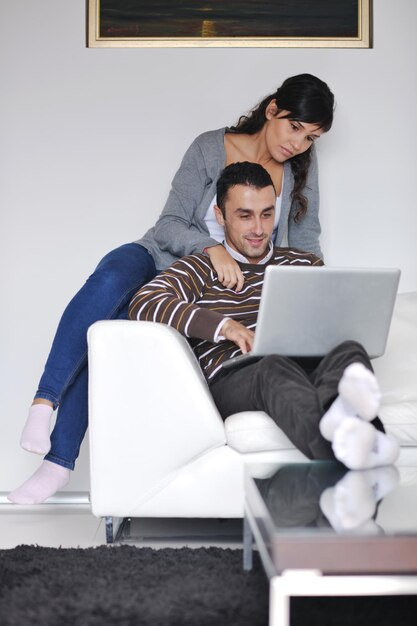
(286, 138)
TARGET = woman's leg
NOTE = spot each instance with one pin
(66, 438)
(106, 295)
(118, 275)
(71, 423)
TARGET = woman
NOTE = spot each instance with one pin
(278, 134)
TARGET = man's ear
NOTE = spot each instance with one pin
(271, 110)
(219, 215)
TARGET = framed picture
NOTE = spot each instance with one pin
(229, 23)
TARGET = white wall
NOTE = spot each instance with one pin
(90, 139)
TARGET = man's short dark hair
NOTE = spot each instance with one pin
(244, 173)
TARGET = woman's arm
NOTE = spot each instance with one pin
(227, 269)
(306, 234)
(176, 229)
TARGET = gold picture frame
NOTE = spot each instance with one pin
(143, 24)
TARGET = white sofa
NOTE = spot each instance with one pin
(158, 447)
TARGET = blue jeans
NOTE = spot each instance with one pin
(105, 295)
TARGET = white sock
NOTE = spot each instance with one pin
(35, 436)
(381, 480)
(359, 396)
(360, 391)
(370, 527)
(47, 479)
(351, 503)
(359, 445)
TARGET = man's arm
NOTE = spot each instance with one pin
(169, 299)
(238, 333)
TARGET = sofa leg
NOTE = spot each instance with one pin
(113, 528)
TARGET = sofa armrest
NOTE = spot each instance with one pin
(150, 411)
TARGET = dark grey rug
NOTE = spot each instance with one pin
(128, 586)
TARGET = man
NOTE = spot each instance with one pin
(327, 407)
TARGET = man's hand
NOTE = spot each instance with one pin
(227, 270)
(239, 334)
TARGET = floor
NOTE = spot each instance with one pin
(66, 521)
(69, 523)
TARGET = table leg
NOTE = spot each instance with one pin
(279, 603)
(247, 544)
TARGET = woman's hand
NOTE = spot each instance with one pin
(239, 334)
(227, 269)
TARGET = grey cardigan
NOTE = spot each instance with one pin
(181, 230)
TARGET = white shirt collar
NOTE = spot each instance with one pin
(242, 259)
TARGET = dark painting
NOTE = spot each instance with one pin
(228, 19)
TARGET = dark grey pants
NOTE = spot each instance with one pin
(294, 392)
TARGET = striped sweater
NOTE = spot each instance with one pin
(189, 297)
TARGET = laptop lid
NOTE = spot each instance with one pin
(307, 311)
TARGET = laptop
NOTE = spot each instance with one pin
(307, 311)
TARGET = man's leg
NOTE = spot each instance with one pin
(297, 401)
(281, 388)
(350, 397)
(333, 378)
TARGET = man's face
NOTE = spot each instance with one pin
(249, 220)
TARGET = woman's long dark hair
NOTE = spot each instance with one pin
(308, 99)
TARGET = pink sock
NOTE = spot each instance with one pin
(47, 480)
(35, 435)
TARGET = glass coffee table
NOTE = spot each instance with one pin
(322, 530)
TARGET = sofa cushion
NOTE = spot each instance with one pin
(254, 431)
(396, 371)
